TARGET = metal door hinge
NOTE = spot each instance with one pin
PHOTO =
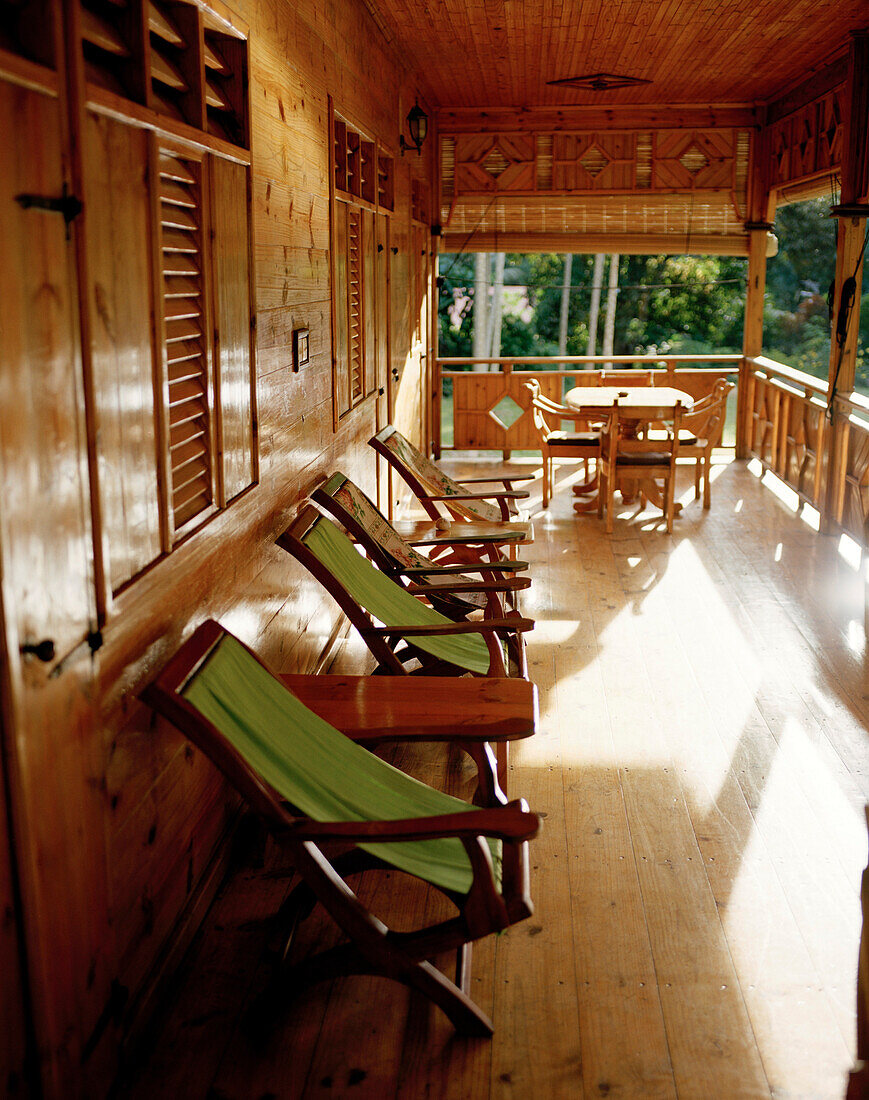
(68, 206)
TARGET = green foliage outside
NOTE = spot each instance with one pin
(675, 304)
(796, 324)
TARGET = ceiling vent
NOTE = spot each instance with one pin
(598, 82)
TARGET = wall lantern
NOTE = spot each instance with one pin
(417, 124)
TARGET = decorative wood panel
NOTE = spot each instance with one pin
(230, 262)
(681, 187)
(121, 293)
(592, 162)
(808, 141)
(492, 409)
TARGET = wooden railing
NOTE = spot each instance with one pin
(491, 406)
(786, 425)
(783, 419)
(820, 452)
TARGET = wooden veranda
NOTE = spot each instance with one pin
(218, 283)
(702, 770)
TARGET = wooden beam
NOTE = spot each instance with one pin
(464, 120)
(637, 244)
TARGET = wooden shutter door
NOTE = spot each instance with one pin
(233, 360)
(121, 293)
(51, 745)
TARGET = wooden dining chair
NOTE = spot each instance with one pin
(701, 433)
(626, 455)
(556, 443)
(338, 811)
(630, 377)
(455, 584)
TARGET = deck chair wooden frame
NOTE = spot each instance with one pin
(266, 744)
(555, 443)
(431, 486)
(624, 455)
(456, 588)
(410, 630)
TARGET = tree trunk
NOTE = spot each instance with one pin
(609, 325)
(496, 314)
(480, 348)
(565, 306)
(594, 308)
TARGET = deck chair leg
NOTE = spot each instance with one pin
(707, 490)
(347, 959)
(489, 792)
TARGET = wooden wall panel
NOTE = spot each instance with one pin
(231, 287)
(138, 820)
(46, 552)
(14, 1080)
(121, 294)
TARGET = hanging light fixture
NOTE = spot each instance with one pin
(417, 125)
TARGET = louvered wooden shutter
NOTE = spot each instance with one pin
(354, 278)
(189, 416)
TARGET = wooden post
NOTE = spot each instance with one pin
(752, 333)
(436, 395)
(849, 265)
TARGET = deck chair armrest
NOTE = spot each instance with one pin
(501, 822)
(454, 537)
(466, 567)
(506, 584)
(507, 494)
(481, 626)
(507, 482)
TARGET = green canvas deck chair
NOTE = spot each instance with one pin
(396, 626)
(403, 634)
(339, 811)
(454, 587)
(433, 488)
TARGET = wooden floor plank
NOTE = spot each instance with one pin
(701, 765)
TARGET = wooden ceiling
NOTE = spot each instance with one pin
(502, 53)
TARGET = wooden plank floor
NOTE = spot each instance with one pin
(701, 768)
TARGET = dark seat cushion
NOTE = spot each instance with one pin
(648, 458)
(575, 439)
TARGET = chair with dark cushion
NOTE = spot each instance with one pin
(557, 443)
(625, 455)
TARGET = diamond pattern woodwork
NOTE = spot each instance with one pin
(506, 412)
(807, 141)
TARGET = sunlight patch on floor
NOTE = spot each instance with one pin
(850, 552)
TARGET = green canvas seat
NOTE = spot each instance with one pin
(314, 788)
(319, 770)
(367, 594)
